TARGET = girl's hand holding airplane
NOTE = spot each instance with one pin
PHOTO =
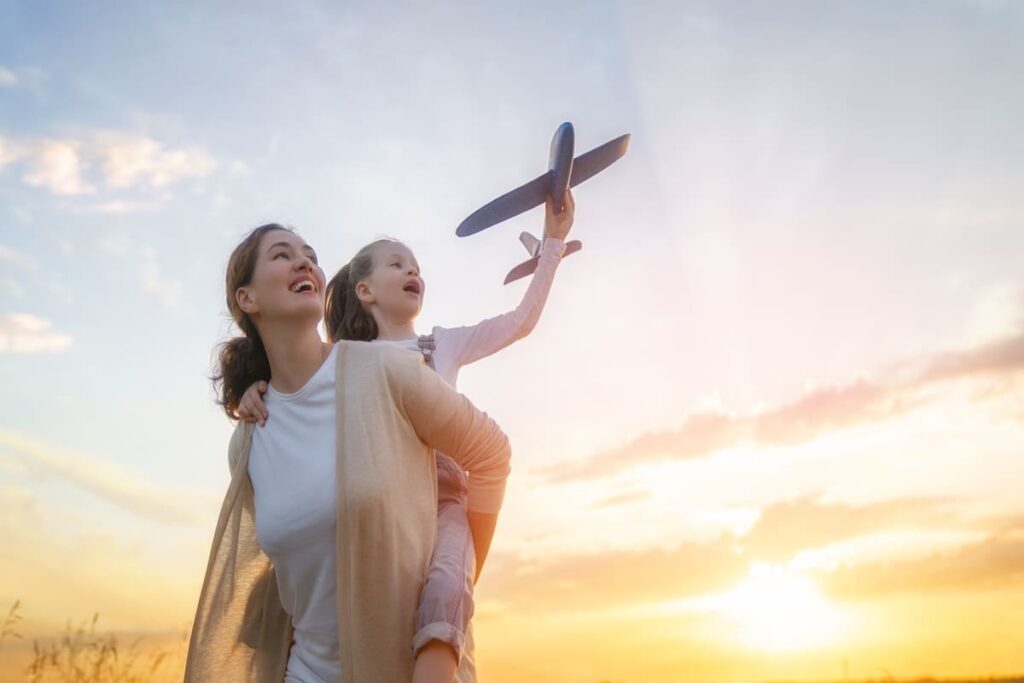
(557, 225)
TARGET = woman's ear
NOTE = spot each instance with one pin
(245, 301)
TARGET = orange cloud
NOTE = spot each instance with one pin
(819, 412)
(788, 527)
(995, 562)
(612, 578)
(621, 499)
(587, 581)
(108, 481)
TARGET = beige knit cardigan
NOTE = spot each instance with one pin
(391, 412)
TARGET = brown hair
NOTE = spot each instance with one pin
(243, 359)
(344, 315)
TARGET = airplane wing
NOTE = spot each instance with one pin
(527, 267)
(531, 243)
(534, 193)
(506, 206)
(591, 163)
(522, 270)
(572, 247)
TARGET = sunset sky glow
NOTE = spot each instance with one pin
(771, 423)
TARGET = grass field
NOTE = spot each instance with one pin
(85, 653)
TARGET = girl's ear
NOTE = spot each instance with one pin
(245, 300)
(364, 293)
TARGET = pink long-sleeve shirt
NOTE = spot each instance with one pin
(459, 346)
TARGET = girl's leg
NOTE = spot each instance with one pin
(446, 601)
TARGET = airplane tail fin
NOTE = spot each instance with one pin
(527, 267)
(531, 243)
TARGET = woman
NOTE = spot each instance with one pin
(377, 297)
(301, 585)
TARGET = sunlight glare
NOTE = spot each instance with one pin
(778, 610)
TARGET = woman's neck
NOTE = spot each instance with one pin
(294, 354)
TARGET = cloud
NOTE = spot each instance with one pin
(997, 309)
(997, 357)
(788, 527)
(1005, 524)
(130, 161)
(690, 569)
(703, 433)
(820, 411)
(25, 333)
(107, 162)
(621, 499)
(106, 480)
(7, 78)
(997, 561)
(586, 581)
(57, 166)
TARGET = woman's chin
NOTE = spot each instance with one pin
(305, 311)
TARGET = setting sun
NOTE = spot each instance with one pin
(777, 610)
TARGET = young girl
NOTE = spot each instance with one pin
(376, 297)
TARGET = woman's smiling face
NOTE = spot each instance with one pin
(287, 282)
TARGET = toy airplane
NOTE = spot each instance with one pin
(563, 172)
(532, 245)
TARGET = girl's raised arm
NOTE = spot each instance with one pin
(473, 342)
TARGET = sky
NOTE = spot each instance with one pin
(770, 425)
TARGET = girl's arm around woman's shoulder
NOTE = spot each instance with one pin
(448, 421)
